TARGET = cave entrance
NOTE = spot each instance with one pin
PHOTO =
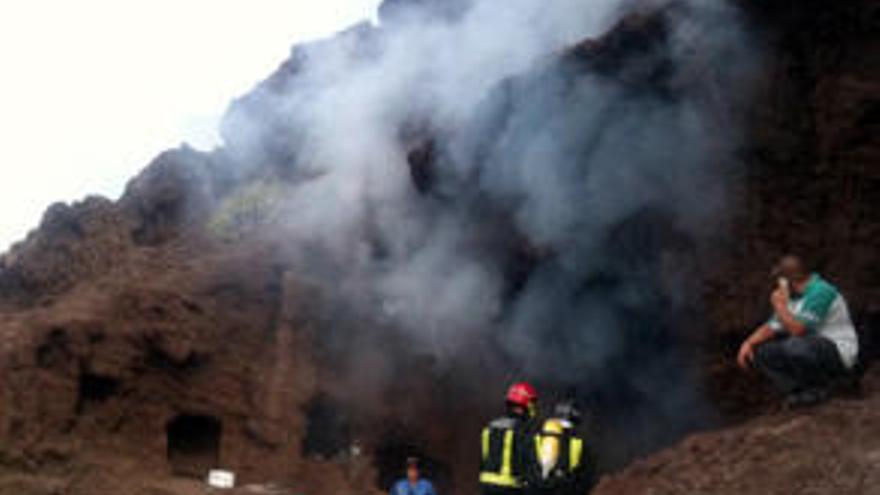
(390, 463)
(328, 433)
(194, 444)
(95, 389)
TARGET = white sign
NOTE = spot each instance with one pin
(218, 478)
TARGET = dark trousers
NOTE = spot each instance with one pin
(799, 364)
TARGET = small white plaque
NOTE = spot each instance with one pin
(219, 478)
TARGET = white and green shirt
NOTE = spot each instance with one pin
(824, 311)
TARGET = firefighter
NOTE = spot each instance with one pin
(566, 461)
(509, 464)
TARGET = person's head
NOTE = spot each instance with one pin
(793, 268)
(522, 400)
(412, 470)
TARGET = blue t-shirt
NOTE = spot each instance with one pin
(422, 487)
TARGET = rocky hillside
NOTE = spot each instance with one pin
(148, 339)
(831, 449)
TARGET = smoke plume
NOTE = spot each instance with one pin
(508, 199)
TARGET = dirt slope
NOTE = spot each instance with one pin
(833, 449)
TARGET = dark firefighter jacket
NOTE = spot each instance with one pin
(509, 454)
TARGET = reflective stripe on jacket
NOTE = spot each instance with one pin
(501, 462)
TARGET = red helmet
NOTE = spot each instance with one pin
(522, 394)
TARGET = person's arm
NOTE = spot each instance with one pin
(789, 321)
(816, 307)
(429, 488)
(747, 350)
(791, 324)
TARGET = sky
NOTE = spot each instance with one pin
(92, 90)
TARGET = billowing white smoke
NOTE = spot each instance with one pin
(350, 104)
(570, 162)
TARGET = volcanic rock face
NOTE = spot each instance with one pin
(138, 343)
(182, 359)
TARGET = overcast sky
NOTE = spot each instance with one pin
(91, 90)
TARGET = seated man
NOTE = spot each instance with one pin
(414, 484)
(810, 343)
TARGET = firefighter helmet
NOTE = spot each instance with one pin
(522, 394)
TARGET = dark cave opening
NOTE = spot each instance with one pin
(328, 433)
(390, 460)
(193, 444)
(95, 389)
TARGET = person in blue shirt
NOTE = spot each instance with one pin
(413, 484)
